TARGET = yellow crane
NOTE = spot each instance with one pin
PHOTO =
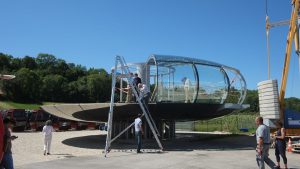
(293, 34)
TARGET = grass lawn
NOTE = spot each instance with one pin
(14, 105)
(229, 123)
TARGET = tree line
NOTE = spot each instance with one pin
(292, 103)
(47, 78)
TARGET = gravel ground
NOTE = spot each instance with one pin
(28, 148)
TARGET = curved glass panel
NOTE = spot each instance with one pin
(177, 83)
(213, 84)
(238, 88)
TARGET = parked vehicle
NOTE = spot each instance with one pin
(82, 126)
(39, 117)
(19, 116)
(103, 126)
(65, 125)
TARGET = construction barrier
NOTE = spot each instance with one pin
(290, 147)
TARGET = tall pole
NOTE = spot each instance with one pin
(121, 89)
(111, 109)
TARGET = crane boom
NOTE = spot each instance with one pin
(292, 35)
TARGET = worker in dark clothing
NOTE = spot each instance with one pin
(280, 144)
(136, 81)
(7, 161)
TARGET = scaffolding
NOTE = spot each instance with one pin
(121, 64)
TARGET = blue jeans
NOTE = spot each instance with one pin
(7, 161)
(138, 135)
(264, 158)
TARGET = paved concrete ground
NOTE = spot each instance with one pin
(188, 151)
(242, 159)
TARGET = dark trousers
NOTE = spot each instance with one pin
(138, 93)
(280, 148)
(138, 136)
(146, 98)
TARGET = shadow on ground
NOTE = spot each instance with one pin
(183, 142)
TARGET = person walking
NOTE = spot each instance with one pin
(280, 145)
(138, 132)
(47, 132)
(7, 161)
(263, 144)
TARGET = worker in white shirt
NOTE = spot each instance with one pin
(47, 132)
(138, 132)
(144, 93)
(187, 84)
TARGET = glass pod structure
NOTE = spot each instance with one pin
(176, 79)
(182, 89)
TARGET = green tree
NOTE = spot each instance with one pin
(75, 72)
(61, 67)
(96, 87)
(292, 103)
(233, 96)
(54, 88)
(252, 100)
(4, 62)
(45, 61)
(24, 88)
(47, 78)
(29, 62)
(78, 91)
(16, 64)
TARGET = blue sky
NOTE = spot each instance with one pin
(91, 33)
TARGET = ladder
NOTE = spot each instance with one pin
(123, 66)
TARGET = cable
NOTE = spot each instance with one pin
(293, 75)
(267, 8)
(268, 44)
